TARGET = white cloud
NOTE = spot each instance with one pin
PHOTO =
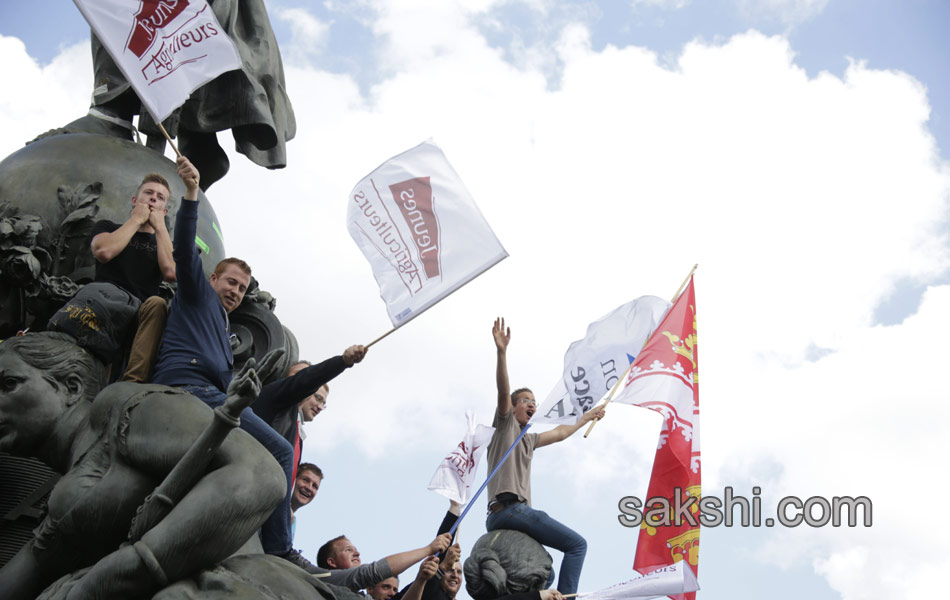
(38, 98)
(667, 4)
(309, 35)
(803, 199)
(790, 12)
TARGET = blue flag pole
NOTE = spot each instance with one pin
(490, 475)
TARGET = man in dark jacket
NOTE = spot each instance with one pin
(300, 396)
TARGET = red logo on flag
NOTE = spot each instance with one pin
(463, 458)
(152, 16)
(414, 199)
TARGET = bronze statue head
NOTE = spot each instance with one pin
(42, 375)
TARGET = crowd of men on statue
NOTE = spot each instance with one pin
(187, 345)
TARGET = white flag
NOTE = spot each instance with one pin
(674, 579)
(165, 48)
(454, 476)
(421, 231)
(594, 364)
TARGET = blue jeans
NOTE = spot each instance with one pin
(546, 531)
(275, 532)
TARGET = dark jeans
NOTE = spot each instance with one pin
(548, 532)
(275, 532)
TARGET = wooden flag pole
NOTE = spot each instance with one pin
(609, 398)
(165, 133)
(613, 390)
(370, 345)
(683, 285)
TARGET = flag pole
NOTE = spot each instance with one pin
(606, 402)
(161, 128)
(613, 390)
(167, 137)
(490, 475)
(683, 285)
(370, 345)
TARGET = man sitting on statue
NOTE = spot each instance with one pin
(509, 492)
(137, 256)
(196, 349)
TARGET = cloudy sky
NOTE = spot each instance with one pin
(795, 149)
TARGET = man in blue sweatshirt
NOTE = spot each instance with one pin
(196, 349)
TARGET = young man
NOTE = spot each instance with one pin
(424, 587)
(306, 484)
(452, 581)
(509, 492)
(446, 579)
(384, 590)
(288, 403)
(196, 348)
(137, 256)
(346, 569)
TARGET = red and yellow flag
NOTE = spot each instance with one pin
(665, 378)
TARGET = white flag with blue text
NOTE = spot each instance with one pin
(595, 363)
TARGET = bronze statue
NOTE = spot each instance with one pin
(116, 445)
(251, 101)
(114, 448)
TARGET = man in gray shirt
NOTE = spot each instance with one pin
(509, 492)
(338, 563)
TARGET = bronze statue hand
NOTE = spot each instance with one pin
(245, 386)
(269, 364)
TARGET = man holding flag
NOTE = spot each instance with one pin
(509, 491)
(658, 339)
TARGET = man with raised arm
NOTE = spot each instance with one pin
(137, 256)
(196, 350)
(509, 492)
(301, 395)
